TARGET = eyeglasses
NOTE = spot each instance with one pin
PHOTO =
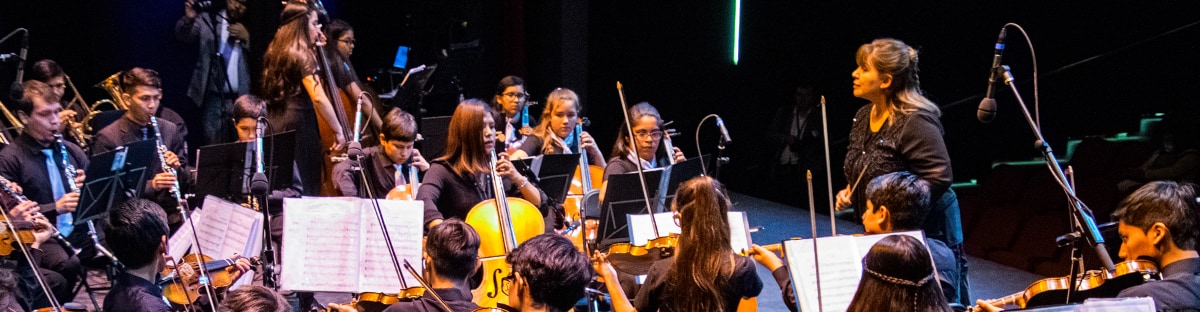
(349, 41)
(515, 95)
(656, 134)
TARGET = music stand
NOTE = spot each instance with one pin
(223, 170)
(113, 177)
(553, 172)
(623, 195)
(683, 171)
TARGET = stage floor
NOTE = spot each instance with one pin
(988, 279)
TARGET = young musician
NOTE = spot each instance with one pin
(385, 165)
(344, 75)
(254, 298)
(899, 131)
(142, 89)
(451, 256)
(247, 110)
(549, 274)
(1160, 222)
(897, 202)
(647, 127)
(293, 90)
(704, 274)
(507, 105)
(460, 179)
(141, 227)
(35, 162)
(553, 135)
(897, 276)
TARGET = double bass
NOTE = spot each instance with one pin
(503, 223)
(328, 135)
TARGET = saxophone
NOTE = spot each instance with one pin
(162, 157)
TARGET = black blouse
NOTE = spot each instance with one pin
(449, 195)
(911, 142)
(656, 295)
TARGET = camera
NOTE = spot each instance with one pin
(208, 6)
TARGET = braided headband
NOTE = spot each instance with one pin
(899, 281)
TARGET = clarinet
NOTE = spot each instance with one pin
(162, 157)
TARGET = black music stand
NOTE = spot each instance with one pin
(434, 133)
(223, 170)
(623, 196)
(683, 171)
(553, 173)
(113, 177)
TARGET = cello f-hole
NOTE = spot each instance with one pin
(495, 284)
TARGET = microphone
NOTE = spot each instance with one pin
(724, 132)
(9, 57)
(21, 60)
(258, 181)
(987, 107)
(354, 148)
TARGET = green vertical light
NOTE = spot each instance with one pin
(737, 29)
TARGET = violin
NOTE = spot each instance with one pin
(637, 259)
(503, 223)
(185, 290)
(406, 191)
(24, 233)
(66, 307)
(1094, 283)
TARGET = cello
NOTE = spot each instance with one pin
(582, 197)
(503, 223)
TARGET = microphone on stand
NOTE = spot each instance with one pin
(724, 132)
(258, 181)
(21, 59)
(354, 148)
(987, 107)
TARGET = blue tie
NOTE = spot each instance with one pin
(65, 221)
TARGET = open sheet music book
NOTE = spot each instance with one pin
(334, 244)
(223, 229)
(841, 268)
(641, 230)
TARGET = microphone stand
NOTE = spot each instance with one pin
(259, 190)
(1081, 218)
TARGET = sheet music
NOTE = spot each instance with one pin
(378, 273)
(334, 244)
(641, 230)
(224, 228)
(840, 268)
(320, 241)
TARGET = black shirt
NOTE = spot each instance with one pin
(125, 131)
(656, 295)
(134, 294)
(379, 169)
(1179, 290)
(449, 195)
(25, 164)
(458, 300)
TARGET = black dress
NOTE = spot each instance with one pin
(299, 115)
(656, 294)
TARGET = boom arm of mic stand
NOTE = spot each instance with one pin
(1082, 219)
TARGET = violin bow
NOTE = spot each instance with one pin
(828, 170)
(637, 158)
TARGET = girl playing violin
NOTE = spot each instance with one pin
(508, 105)
(459, 179)
(551, 136)
(705, 274)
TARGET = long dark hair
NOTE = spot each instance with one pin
(898, 276)
(289, 58)
(465, 150)
(623, 146)
(703, 259)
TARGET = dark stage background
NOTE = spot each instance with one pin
(1102, 64)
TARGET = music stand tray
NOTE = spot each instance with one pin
(222, 170)
(554, 172)
(623, 195)
(113, 177)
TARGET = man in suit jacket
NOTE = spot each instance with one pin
(220, 74)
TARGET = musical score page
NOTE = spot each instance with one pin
(223, 229)
(641, 230)
(840, 268)
(378, 272)
(334, 244)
